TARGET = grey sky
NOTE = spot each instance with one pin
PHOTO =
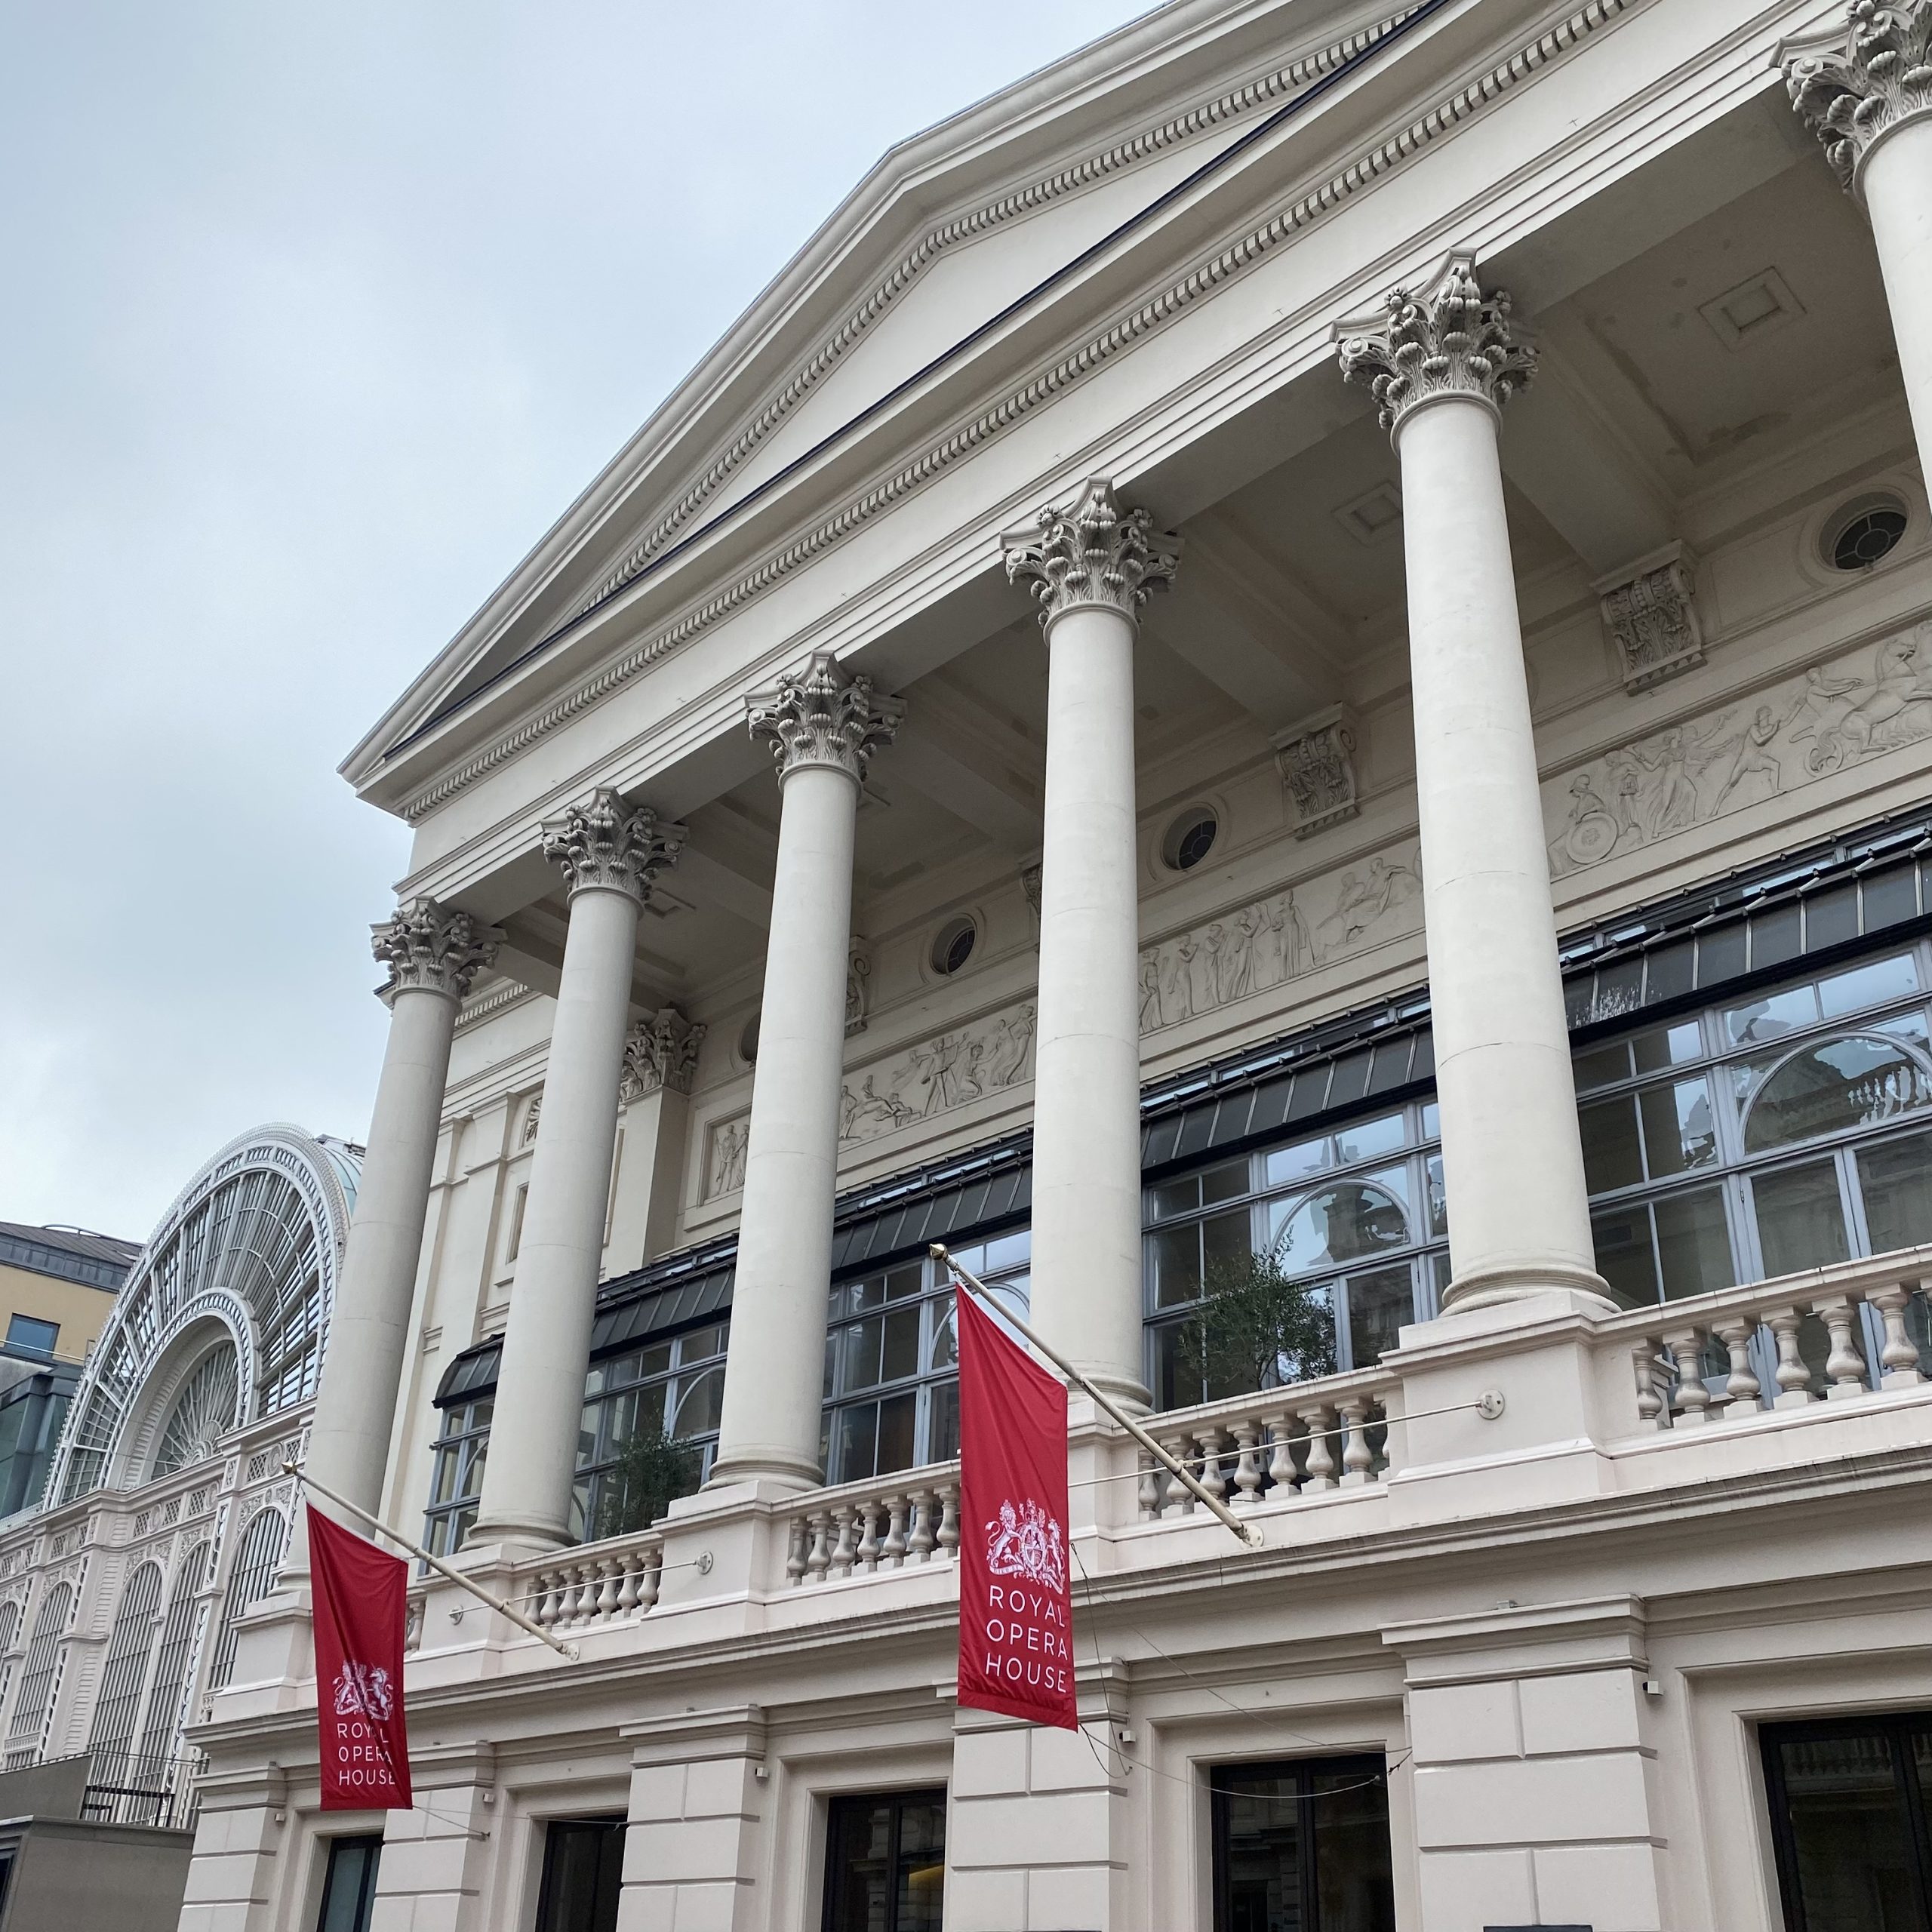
(315, 319)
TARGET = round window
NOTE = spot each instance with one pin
(953, 946)
(1190, 838)
(1863, 532)
(748, 1042)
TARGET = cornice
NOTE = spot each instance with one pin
(1178, 296)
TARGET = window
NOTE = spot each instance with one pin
(1356, 1215)
(455, 1474)
(584, 1861)
(953, 946)
(349, 1887)
(1848, 1801)
(891, 1361)
(1863, 532)
(1189, 839)
(123, 1677)
(1303, 1847)
(39, 1678)
(172, 1665)
(251, 1579)
(27, 1335)
(675, 1387)
(885, 1863)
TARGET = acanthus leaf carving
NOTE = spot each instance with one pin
(1449, 340)
(429, 948)
(1853, 84)
(1095, 555)
(608, 844)
(821, 716)
(660, 1052)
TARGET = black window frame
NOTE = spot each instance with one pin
(369, 1842)
(936, 1795)
(1371, 1768)
(614, 1825)
(1898, 1728)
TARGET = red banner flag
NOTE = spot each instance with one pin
(360, 1597)
(1016, 1608)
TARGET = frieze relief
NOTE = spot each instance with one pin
(1874, 699)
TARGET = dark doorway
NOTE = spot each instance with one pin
(349, 1886)
(1302, 1846)
(885, 1863)
(583, 1872)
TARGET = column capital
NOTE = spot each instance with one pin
(821, 716)
(431, 949)
(1094, 556)
(1852, 85)
(1451, 340)
(659, 1051)
(607, 844)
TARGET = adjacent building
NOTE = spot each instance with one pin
(1283, 688)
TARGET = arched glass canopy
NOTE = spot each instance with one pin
(222, 1320)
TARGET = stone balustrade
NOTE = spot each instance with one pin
(887, 1522)
(1836, 1334)
(1278, 1446)
(596, 1584)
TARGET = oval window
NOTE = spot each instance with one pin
(953, 946)
(1863, 532)
(1340, 1224)
(1833, 1087)
(1189, 839)
(748, 1042)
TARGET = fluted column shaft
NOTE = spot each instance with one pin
(433, 956)
(1442, 364)
(1091, 568)
(610, 853)
(822, 726)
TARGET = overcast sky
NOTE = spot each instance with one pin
(315, 320)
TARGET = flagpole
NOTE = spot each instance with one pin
(436, 1563)
(1248, 1532)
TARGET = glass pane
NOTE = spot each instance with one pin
(1379, 1304)
(855, 1442)
(1169, 1198)
(1833, 1087)
(859, 1884)
(1770, 1017)
(1227, 1244)
(1800, 1223)
(442, 1486)
(898, 1435)
(1355, 1879)
(1680, 1127)
(945, 1400)
(921, 1866)
(1692, 1243)
(700, 1403)
(350, 1884)
(867, 1294)
(1259, 1819)
(1613, 1156)
(1177, 1266)
(1438, 1199)
(1365, 1139)
(945, 1337)
(1296, 1163)
(1345, 1222)
(1009, 1251)
(1602, 1066)
(904, 1283)
(1870, 984)
(1621, 1236)
(1177, 1383)
(1228, 1182)
(1895, 1178)
(1660, 1046)
(901, 1353)
(701, 1344)
(1849, 1834)
(859, 1349)
(1431, 1121)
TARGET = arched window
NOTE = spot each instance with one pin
(174, 1663)
(123, 1677)
(1834, 1086)
(39, 1680)
(10, 1628)
(251, 1579)
(204, 1412)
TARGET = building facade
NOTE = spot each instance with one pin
(1280, 688)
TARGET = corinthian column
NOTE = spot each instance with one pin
(822, 727)
(1865, 90)
(432, 954)
(1442, 363)
(1091, 567)
(610, 852)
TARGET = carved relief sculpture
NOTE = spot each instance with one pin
(1317, 761)
(1853, 84)
(426, 946)
(1095, 555)
(1648, 612)
(659, 1051)
(608, 844)
(858, 976)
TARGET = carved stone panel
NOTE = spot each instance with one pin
(1317, 761)
(1648, 611)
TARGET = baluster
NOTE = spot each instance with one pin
(1692, 1402)
(1650, 1406)
(1845, 1364)
(892, 1555)
(795, 1546)
(1898, 1357)
(1742, 1389)
(610, 1569)
(653, 1574)
(948, 1521)
(1357, 1459)
(843, 1551)
(867, 1553)
(1248, 1463)
(633, 1569)
(566, 1581)
(587, 1592)
(1793, 1374)
(1180, 1498)
(545, 1611)
(925, 1530)
(1281, 1454)
(1147, 1491)
(1212, 1480)
(820, 1562)
(1319, 1457)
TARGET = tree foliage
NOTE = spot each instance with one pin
(1258, 1327)
(652, 1472)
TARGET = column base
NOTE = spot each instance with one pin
(511, 1537)
(1495, 1287)
(1135, 1398)
(769, 1469)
